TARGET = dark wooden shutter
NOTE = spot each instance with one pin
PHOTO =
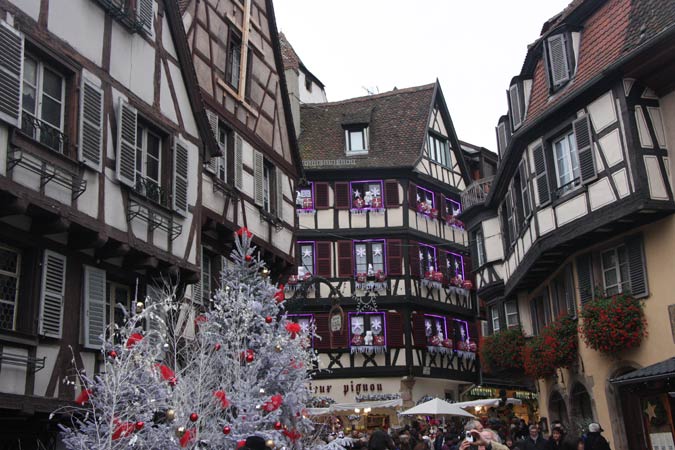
(441, 261)
(342, 195)
(414, 259)
(322, 330)
(341, 339)
(391, 199)
(583, 136)
(238, 162)
(11, 62)
(506, 235)
(90, 145)
(394, 257)
(418, 332)
(323, 259)
(517, 198)
(180, 177)
(542, 175)
(441, 205)
(321, 196)
(395, 330)
(144, 14)
(557, 58)
(412, 196)
(525, 188)
(127, 121)
(585, 277)
(636, 263)
(513, 233)
(345, 259)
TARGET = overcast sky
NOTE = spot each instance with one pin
(473, 47)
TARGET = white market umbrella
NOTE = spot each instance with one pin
(437, 407)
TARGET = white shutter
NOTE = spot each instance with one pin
(514, 102)
(94, 304)
(127, 122)
(212, 165)
(180, 177)
(557, 56)
(144, 14)
(501, 138)
(206, 279)
(11, 68)
(52, 294)
(258, 173)
(238, 162)
(156, 323)
(279, 194)
(90, 144)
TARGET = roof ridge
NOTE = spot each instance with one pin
(407, 90)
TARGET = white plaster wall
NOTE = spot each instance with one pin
(602, 112)
(13, 379)
(113, 203)
(42, 376)
(167, 39)
(657, 186)
(166, 104)
(395, 216)
(4, 134)
(667, 103)
(132, 61)
(494, 249)
(571, 209)
(433, 387)
(621, 181)
(545, 220)
(611, 147)
(600, 193)
(183, 100)
(30, 7)
(317, 95)
(80, 23)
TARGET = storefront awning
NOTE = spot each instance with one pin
(318, 411)
(381, 404)
(658, 371)
(488, 402)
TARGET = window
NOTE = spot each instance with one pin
(43, 103)
(566, 162)
(559, 60)
(233, 64)
(438, 149)
(564, 301)
(306, 258)
(615, 270)
(511, 217)
(516, 105)
(425, 200)
(494, 318)
(268, 173)
(118, 299)
(304, 198)
(356, 139)
(10, 267)
(367, 329)
(455, 265)
(206, 277)
(148, 163)
(366, 195)
(221, 162)
(452, 207)
(427, 258)
(511, 311)
(541, 312)
(369, 257)
(480, 247)
(435, 329)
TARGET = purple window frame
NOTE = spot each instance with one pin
(313, 244)
(384, 324)
(351, 192)
(461, 261)
(311, 188)
(367, 241)
(311, 321)
(435, 261)
(445, 323)
(449, 201)
(433, 195)
(465, 324)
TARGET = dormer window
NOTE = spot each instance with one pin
(438, 149)
(560, 60)
(356, 137)
(503, 134)
(516, 104)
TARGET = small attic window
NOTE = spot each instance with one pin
(356, 139)
(559, 60)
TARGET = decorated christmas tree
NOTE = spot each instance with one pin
(176, 378)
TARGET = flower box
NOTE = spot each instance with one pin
(613, 325)
(433, 280)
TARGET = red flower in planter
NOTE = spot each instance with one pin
(293, 328)
(613, 324)
(438, 276)
(378, 340)
(244, 231)
(503, 350)
(357, 339)
(467, 284)
(293, 280)
(380, 276)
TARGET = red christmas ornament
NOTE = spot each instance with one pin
(293, 328)
(250, 356)
(248, 258)
(194, 417)
(279, 296)
(277, 425)
(243, 230)
(122, 429)
(187, 437)
(220, 395)
(241, 443)
(217, 346)
(227, 430)
(139, 425)
(173, 381)
(134, 339)
(112, 354)
(268, 319)
(274, 403)
(83, 397)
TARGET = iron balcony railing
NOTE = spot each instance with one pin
(43, 132)
(476, 193)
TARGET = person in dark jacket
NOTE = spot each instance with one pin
(380, 440)
(594, 440)
(534, 441)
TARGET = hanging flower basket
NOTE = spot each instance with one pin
(454, 222)
(433, 280)
(376, 282)
(425, 210)
(376, 205)
(614, 324)
(556, 346)
(358, 206)
(503, 350)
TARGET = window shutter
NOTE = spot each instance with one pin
(394, 257)
(391, 199)
(279, 193)
(212, 165)
(418, 331)
(517, 198)
(90, 145)
(52, 295)
(542, 175)
(395, 330)
(323, 259)
(506, 234)
(94, 303)
(525, 188)
(570, 298)
(514, 103)
(501, 137)
(412, 196)
(441, 262)
(321, 196)
(510, 215)
(557, 56)
(441, 205)
(127, 121)
(582, 134)
(473, 248)
(180, 176)
(322, 330)
(345, 259)
(238, 162)
(533, 314)
(414, 259)
(585, 277)
(636, 263)
(342, 195)
(11, 68)
(258, 169)
(144, 14)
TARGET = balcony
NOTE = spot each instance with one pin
(476, 193)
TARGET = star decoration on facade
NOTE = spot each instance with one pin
(377, 251)
(307, 253)
(375, 191)
(361, 252)
(651, 411)
(421, 255)
(418, 198)
(357, 194)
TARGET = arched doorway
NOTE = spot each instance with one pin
(557, 409)
(581, 409)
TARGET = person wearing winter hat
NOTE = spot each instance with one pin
(594, 440)
(255, 443)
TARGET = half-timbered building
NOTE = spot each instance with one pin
(382, 260)
(237, 57)
(581, 206)
(100, 153)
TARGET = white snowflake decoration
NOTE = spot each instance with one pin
(361, 252)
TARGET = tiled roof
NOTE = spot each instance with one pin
(290, 58)
(397, 127)
(663, 369)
